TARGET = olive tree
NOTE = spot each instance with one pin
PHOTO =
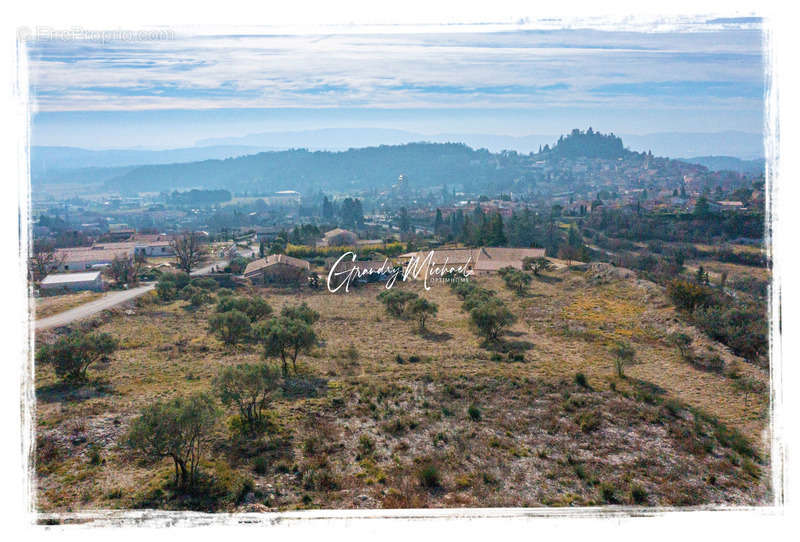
(396, 301)
(683, 342)
(537, 265)
(624, 355)
(248, 387)
(491, 319)
(301, 312)
(72, 355)
(420, 309)
(231, 327)
(517, 281)
(256, 308)
(285, 338)
(180, 429)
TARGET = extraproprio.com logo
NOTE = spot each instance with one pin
(46, 33)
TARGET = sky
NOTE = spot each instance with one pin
(173, 87)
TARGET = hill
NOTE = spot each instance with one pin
(729, 163)
(381, 415)
(425, 164)
(52, 164)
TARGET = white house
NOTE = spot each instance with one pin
(73, 281)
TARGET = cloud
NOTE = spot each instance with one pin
(709, 64)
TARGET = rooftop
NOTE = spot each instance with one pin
(69, 278)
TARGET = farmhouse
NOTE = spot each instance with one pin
(72, 281)
(277, 268)
(157, 244)
(85, 258)
(339, 238)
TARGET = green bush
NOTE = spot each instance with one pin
(180, 429)
(301, 312)
(396, 301)
(249, 388)
(688, 295)
(260, 465)
(231, 327)
(624, 355)
(588, 421)
(429, 477)
(474, 412)
(366, 446)
(72, 355)
(638, 494)
(491, 319)
(256, 308)
(608, 493)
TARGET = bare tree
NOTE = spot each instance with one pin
(125, 270)
(189, 250)
(44, 259)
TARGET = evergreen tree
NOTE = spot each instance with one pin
(327, 209)
(496, 237)
(438, 223)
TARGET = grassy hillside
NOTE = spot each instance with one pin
(382, 415)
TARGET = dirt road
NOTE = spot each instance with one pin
(111, 299)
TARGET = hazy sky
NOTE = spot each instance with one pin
(531, 78)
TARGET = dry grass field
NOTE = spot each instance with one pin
(48, 306)
(383, 416)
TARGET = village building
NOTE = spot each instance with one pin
(726, 206)
(102, 254)
(153, 244)
(277, 268)
(120, 232)
(93, 257)
(339, 237)
(72, 282)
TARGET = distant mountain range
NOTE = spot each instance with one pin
(739, 144)
(53, 161)
(47, 160)
(426, 165)
(729, 163)
(210, 164)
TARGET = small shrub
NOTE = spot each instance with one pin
(429, 477)
(624, 355)
(366, 446)
(72, 355)
(638, 494)
(351, 353)
(580, 380)
(474, 412)
(230, 326)
(516, 356)
(94, 456)
(608, 493)
(260, 465)
(588, 421)
(311, 445)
